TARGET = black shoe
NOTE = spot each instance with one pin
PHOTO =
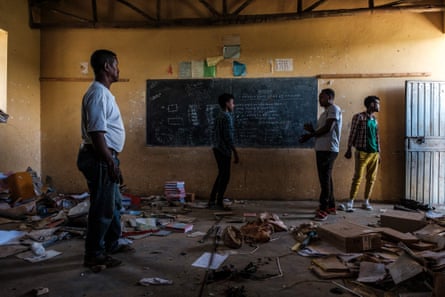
(108, 261)
(211, 205)
(219, 207)
(122, 248)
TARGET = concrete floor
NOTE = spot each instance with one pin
(170, 257)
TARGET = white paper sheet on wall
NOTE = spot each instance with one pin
(198, 69)
(185, 69)
(284, 65)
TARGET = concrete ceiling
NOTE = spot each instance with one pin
(200, 13)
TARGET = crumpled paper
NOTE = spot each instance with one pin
(155, 281)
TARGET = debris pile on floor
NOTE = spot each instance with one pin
(404, 253)
(45, 216)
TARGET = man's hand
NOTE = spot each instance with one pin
(121, 178)
(348, 154)
(309, 128)
(101, 148)
(113, 171)
(236, 158)
(305, 137)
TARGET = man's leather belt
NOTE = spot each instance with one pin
(86, 147)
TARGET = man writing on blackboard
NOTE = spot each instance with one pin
(327, 145)
(223, 146)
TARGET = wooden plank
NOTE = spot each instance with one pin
(374, 75)
(330, 264)
(397, 236)
(422, 246)
(76, 79)
(329, 274)
(439, 283)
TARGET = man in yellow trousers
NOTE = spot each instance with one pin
(364, 136)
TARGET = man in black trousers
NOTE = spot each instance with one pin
(223, 146)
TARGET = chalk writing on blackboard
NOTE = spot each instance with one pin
(269, 112)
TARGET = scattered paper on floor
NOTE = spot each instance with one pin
(204, 261)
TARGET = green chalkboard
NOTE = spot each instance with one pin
(269, 112)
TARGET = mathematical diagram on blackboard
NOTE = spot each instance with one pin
(269, 112)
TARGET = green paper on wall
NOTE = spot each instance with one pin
(209, 71)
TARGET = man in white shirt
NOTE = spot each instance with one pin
(103, 138)
(327, 145)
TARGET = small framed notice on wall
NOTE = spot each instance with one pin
(284, 65)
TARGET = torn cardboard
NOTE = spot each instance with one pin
(403, 221)
(350, 237)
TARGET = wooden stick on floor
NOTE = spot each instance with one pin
(215, 246)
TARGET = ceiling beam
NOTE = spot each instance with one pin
(138, 10)
(224, 7)
(210, 8)
(394, 3)
(94, 10)
(241, 7)
(61, 12)
(315, 5)
(158, 10)
(225, 17)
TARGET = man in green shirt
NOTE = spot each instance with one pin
(364, 136)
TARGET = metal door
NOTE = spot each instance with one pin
(425, 142)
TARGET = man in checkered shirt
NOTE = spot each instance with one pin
(364, 136)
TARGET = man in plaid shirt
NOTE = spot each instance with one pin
(364, 136)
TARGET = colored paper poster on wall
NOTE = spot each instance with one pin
(185, 70)
(209, 71)
(198, 69)
(231, 39)
(231, 51)
(212, 61)
(239, 69)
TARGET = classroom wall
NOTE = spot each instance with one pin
(20, 136)
(366, 44)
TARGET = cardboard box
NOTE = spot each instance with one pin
(350, 237)
(20, 186)
(190, 197)
(403, 221)
(439, 283)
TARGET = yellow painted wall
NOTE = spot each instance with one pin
(379, 43)
(20, 137)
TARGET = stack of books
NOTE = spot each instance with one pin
(175, 191)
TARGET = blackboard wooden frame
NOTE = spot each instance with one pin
(269, 112)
